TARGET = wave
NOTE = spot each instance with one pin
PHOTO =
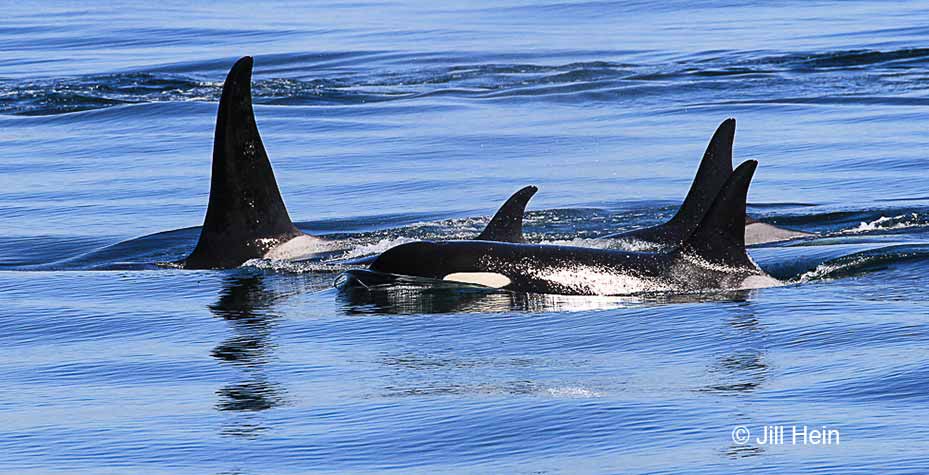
(865, 262)
(356, 78)
(885, 223)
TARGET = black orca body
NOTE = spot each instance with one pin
(246, 217)
(715, 168)
(507, 224)
(712, 257)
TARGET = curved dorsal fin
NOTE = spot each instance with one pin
(246, 215)
(715, 168)
(507, 224)
(720, 237)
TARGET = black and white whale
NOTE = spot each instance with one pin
(506, 225)
(713, 256)
(714, 169)
(246, 217)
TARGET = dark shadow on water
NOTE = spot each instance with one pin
(737, 373)
(246, 303)
(743, 451)
(251, 395)
(744, 368)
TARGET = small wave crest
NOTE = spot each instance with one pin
(45, 97)
(838, 76)
(888, 223)
(865, 262)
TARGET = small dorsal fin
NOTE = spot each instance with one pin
(246, 215)
(720, 237)
(715, 168)
(507, 224)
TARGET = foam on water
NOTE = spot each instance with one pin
(620, 244)
(361, 249)
(886, 223)
(294, 267)
(573, 392)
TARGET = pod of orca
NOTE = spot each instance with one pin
(701, 248)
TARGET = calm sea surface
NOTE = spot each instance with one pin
(390, 121)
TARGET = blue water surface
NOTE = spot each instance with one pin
(393, 121)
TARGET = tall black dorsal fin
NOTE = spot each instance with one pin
(507, 224)
(715, 168)
(720, 237)
(246, 215)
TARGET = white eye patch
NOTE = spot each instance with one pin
(487, 279)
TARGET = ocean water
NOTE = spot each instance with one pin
(393, 121)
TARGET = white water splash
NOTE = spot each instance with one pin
(295, 267)
(885, 223)
(824, 270)
(621, 244)
(363, 250)
(572, 392)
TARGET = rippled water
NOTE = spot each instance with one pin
(388, 122)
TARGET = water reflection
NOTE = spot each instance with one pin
(429, 374)
(744, 368)
(249, 396)
(741, 371)
(417, 299)
(246, 303)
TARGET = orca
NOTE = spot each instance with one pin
(714, 169)
(712, 257)
(246, 217)
(507, 223)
